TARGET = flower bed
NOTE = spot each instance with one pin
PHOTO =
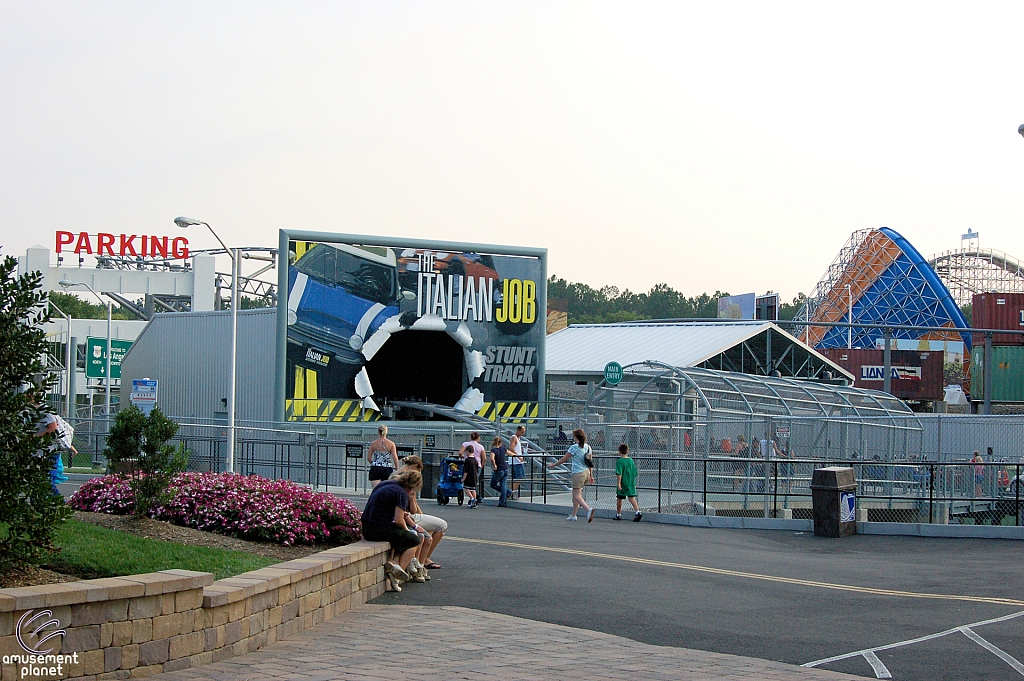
(244, 506)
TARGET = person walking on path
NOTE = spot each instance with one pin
(626, 473)
(518, 462)
(473, 452)
(499, 464)
(582, 471)
(384, 519)
(383, 457)
(979, 473)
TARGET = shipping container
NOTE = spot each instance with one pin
(916, 375)
(998, 311)
(1007, 369)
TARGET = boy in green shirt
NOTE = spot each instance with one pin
(625, 471)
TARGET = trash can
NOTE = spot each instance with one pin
(834, 501)
(431, 472)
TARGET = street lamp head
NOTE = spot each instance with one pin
(66, 284)
(184, 222)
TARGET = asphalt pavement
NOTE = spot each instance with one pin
(777, 595)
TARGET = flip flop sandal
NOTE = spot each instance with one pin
(432, 566)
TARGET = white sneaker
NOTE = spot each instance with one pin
(397, 572)
(572, 517)
(590, 515)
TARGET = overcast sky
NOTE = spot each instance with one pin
(711, 146)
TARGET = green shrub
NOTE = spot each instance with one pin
(138, 447)
(29, 510)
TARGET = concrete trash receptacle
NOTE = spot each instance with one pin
(834, 502)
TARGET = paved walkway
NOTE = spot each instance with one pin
(458, 643)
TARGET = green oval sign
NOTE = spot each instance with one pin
(612, 373)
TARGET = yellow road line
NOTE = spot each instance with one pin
(749, 575)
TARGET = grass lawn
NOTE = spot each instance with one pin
(92, 552)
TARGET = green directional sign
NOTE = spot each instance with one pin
(612, 373)
(96, 357)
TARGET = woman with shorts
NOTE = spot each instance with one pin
(383, 457)
(430, 525)
(385, 519)
(582, 472)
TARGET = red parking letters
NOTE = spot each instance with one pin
(127, 247)
(62, 241)
(179, 247)
(157, 244)
(83, 243)
(104, 241)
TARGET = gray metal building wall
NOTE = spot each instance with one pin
(189, 354)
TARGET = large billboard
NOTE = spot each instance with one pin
(368, 322)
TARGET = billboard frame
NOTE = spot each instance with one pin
(285, 236)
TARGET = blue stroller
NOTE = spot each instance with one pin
(451, 480)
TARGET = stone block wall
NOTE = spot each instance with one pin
(126, 627)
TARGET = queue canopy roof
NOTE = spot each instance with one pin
(666, 390)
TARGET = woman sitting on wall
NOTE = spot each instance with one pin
(385, 518)
(433, 527)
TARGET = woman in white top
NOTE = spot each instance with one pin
(582, 471)
(383, 457)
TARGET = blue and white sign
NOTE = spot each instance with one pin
(144, 393)
(847, 507)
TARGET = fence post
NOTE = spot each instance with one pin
(775, 488)
(931, 491)
(705, 498)
(1016, 492)
(544, 483)
(659, 484)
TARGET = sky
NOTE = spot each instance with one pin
(711, 146)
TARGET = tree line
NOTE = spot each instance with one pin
(608, 304)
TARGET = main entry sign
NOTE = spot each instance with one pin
(612, 373)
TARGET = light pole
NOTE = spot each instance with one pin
(184, 223)
(109, 380)
(67, 363)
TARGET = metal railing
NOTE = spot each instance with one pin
(905, 489)
(906, 492)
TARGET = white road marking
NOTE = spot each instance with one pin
(912, 641)
(876, 665)
(1004, 656)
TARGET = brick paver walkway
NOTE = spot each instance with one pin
(458, 643)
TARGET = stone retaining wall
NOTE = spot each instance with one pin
(124, 627)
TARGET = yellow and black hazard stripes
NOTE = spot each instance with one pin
(307, 405)
(513, 412)
(328, 411)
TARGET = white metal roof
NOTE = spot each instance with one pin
(587, 348)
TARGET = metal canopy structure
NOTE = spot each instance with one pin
(692, 412)
(662, 390)
(756, 347)
(879, 278)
